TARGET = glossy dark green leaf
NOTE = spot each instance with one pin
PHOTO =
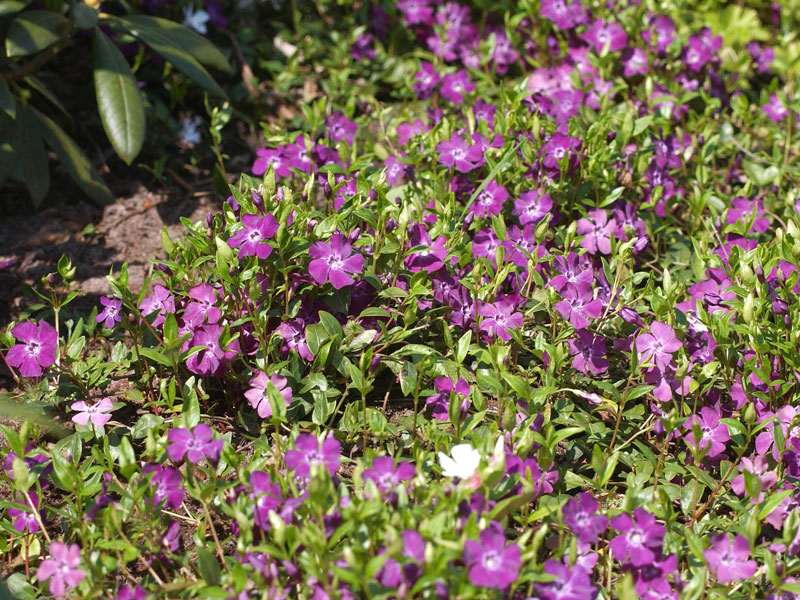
(31, 167)
(85, 16)
(118, 98)
(160, 40)
(193, 43)
(9, 7)
(7, 104)
(8, 135)
(74, 160)
(33, 31)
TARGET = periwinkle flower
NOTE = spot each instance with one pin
(713, 434)
(571, 583)
(25, 520)
(274, 158)
(658, 345)
(97, 413)
(596, 231)
(440, 403)
(579, 305)
(195, 445)
(252, 238)
(761, 469)
(728, 560)
(426, 80)
(308, 451)
(492, 563)
(211, 359)
(386, 474)
(580, 515)
(37, 349)
(456, 153)
(775, 109)
(532, 206)
(490, 201)
(640, 540)
(110, 315)
(61, 568)
(341, 128)
(602, 36)
(456, 86)
(266, 495)
(258, 396)
(165, 484)
(202, 307)
(334, 262)
(499, 318)
(161, 302)
(127, 592)
(589, 351)
(416, 12)
(563, 14)
(430, 259)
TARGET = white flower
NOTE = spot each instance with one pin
(190, 132)
(195, 20)
(463, 464)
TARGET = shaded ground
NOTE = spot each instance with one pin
(95, 239)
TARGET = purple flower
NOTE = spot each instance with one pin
(267, 496)
(211, 359)
(308, 451)
(267, 157)
(440, 403)
(126, 592)
(24, 519)
(589, 352)
(426, 80)
(37, 350)
(664, 29)
(455, 86)
(334, 261)
(416, 12)
(600, 34)
(574, 269)
(97, 413)
(713, 434)
(580, 515)
(431, 258)
(728, 560)
(570, 584)
(62, 569)
(362, 48)
(294, 336)
(395, 170)
(195, 445)
(640, 540)
(499, 318)
(758, 467)
(564, 15)
(531, 207)
(201, 308)
(775, 109)
(252, 239)
(110, 313)
(491, 562)
(578, 305)
(165, 485)
(490, 201)
(596, 232)
(634, 61)
(386, 475)
(456, 153)
(161, 302)
(341, 128)
(558, 148)
(658, 346)
(258, 396)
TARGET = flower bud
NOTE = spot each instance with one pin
(747, 309)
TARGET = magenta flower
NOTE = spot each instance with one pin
(658, 346)
(416, 12)
(491, 562)
(395, 170)
(201, 309)
(165, 484)
(109, 316)
(580, 515)
(334, 261)
(386, 475)
(640, 540)
(729, 560)
(531, 207)
(571, 583)
(294, 337)
(431, 258)
(266, 495)
(596, 232)
(267, 157)
(211, 359)
(160, 302)
(600, 34)
(564, 15)
(98, 413)
(309, 451)
(579, 305)
(341, 128)
(634, 61)
(258, 396)
(490, 201)
(24, 519)
(713, 434)
(759, 467)
(456, 86)
(127, 592)
(195, 445)
(775, 109)
(62, 569)
(499, 318)
(456, 153)
(589, 352)
(440, 403)
(426, 80)
(252, 239)
(37, 350)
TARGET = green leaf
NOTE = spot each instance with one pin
(118, 98)
(33, 31)
(16, 584)
(208, 566)
(462, 346)
(74, 160)
(31, 167)
(161, 41)
(8, 136)
(193, 43)
(7, 104)
(85, 16)
(9, 7)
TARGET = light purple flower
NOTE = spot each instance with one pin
(570, 584)
(267, 157)
(579, 305)
(440, 403)
(195, 445)
(395, 170)
(24, 519)
(97, 413)
(531, 207)
(658, 346)
(341, 128)
(491, 562)
(729, 560)
(62, 569)
(37, 350)
(416, 12)
(499, 318)
(634, 61)
(432, 258)
(713, 434)
(596, 232)
(110, 315)
(600, 34)
(455, 86)
(165, 484)
(294, 336)
(252, 238)
(161, 302)
(564, 15)
(266, 495)
(258, 396)
(456, 153)
(386, 475)
(490, 201)
(201, 309)
(758, 467)
(334, 261)
(426, 80)
(775, 109)
(309, 451)
(211, 359)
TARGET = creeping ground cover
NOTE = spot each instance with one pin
(506, 308)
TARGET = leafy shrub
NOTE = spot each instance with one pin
(529, 335)
(33, 37)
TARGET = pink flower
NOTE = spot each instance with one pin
(728, 560)
(98, 413)
(456, 153)
(37, 350)
(491, 562)
(258, 395)
(334, 261)
(659, 345)
(62, 569)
